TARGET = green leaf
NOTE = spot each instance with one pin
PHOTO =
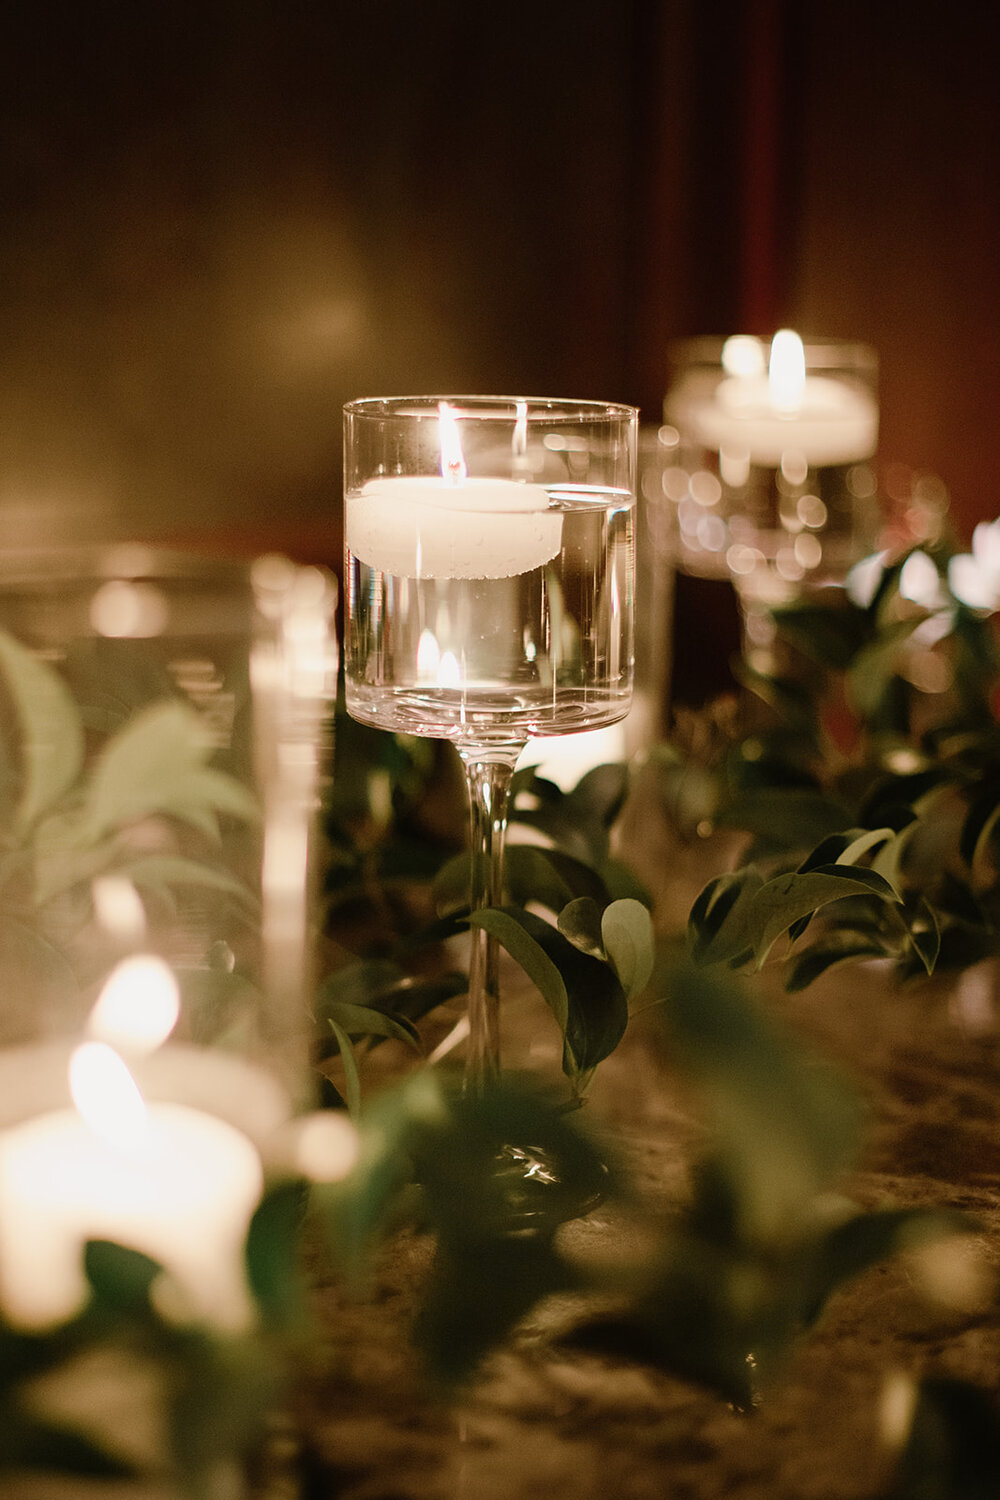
(863, 843)
(783, 1125)
(451, 885)
(120, 1278)
(627, 930)
(366, 1020)
(352, 1077)
(51, 734)
(156, 765)
(578, 822)
(393, 1128)
(687, 1322)
(924, 932)
(139, 769)
(379, 987)
(716, 930)
(217, 1405)
(833, 948)
(29, 1442)
(600, 793)
(583, 993)
(873, 680)
(478, 1294)
(979, 830)
(550, 877)
(359, 983)
(208, 787)
(165, 870)
(273, 1254)
(521, 941)
(890, 859)
(758, 922)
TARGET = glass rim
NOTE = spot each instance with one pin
(494, 408)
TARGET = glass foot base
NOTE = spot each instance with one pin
(535, 1196)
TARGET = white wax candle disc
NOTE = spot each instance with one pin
(835, 423)
(423, 527)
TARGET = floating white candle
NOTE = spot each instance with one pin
(764, 418)
(180, 1186)
(423, 527)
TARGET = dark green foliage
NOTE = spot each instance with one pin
(843, 742)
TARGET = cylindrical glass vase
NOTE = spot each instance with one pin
(162, 744)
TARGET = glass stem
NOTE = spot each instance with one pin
(488, 776)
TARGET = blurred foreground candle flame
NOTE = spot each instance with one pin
(139, 1005)
(107, 1097)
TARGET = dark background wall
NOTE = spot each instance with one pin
(221, 220)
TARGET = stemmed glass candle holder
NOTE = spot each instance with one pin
(489, 584)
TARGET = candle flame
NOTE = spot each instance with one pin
(452, 459)
(743, 356)
(107, 1096)
(786, 375)
(139, 1005)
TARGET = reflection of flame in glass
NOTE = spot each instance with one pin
(118, 907)
(452, 459)
(449, 672)
(428, 656)
(434, 665)
(139, 1005)
(107, 1096)
(519, 437)
(786, 375)
(811, 511)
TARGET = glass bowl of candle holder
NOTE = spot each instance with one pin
(770, 482)
(163, 740)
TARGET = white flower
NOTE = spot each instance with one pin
(920, 581)
(974, 578)
(864, 578)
